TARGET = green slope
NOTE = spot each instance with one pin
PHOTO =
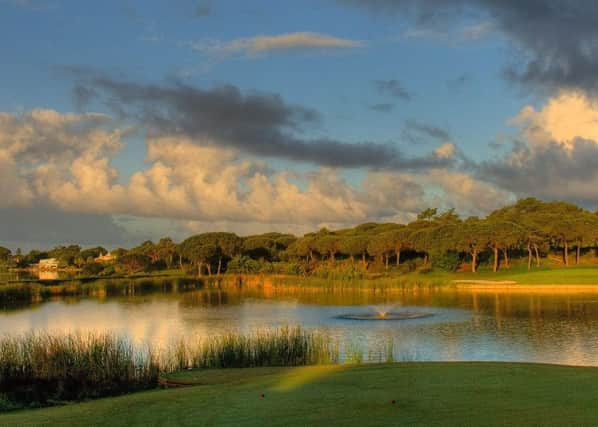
(427, 394)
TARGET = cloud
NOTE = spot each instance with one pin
(417, 133)
(62, 163)
(476, 31)
(466, 194)
(446, 151)
(42, 225)
(382, 108)
(556, 154)
(556, 40)
(392, 88)
(565, 118)
(203, 9)
(260, 124)
(257, 45)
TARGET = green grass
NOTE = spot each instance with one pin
(426, 394)
(582, 275)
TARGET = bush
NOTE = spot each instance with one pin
(243, 265)
(407, 266)
(448, 261)
(108, 270)
(288, 268)
(92, 269)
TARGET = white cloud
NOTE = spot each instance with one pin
(564, 118)
(65, 161)
(253, 46)
(556, 154)
(445, 151)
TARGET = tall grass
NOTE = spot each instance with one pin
(282, 347)
(39, 369)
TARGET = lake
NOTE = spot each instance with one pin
(465, 324)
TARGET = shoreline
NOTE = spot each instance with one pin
(374, 283)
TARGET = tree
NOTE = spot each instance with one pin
(473, 238)
(530, 214)
(134, 262)
(381, 246)
(585, 227)
(561, 225)
(5, 254)
(427, 214)
(166, 249)
(229, 245)
(65, 254)
(34, 256)
(306, 246)
(503, 235)
(328, 244)
(259, 247)
(201, 250)
(88, 255)
(399, 239)
(149, 249)
(355, 246)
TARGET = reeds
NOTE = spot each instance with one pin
(282, 347)
(40, 369)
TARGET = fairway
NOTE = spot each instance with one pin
(426, 394)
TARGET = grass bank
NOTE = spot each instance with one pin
(425, 394)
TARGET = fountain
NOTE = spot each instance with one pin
(385, 313)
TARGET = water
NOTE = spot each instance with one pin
(465, 325)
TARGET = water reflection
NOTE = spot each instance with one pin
(466, 325)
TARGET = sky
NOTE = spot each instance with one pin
(122, 121)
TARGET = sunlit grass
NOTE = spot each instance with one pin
(424, 394)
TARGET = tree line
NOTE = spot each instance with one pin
(529, 231)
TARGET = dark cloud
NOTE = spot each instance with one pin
(417, 133)
(549, 170)
(382, 108)
(203, 9)
(392, 88)
(257, 123)
(82, 96)
(44, 226)
(557, 39)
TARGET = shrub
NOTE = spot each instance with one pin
(243, 265)
(92, 268)
(448, 261)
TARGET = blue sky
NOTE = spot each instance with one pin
(331, 57)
